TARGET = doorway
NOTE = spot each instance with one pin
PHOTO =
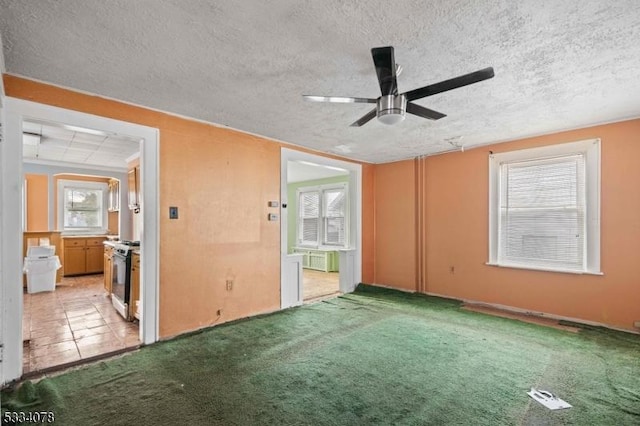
(16, 112)
(320, 227)
(75, 205)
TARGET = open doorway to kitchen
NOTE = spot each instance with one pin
(78, 162)
(76, 213)
(320, 227)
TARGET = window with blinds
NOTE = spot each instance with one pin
(542, 213)
(322, 216)
(544, 208)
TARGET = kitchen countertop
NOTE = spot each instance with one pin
(108, 237)
(135, 250)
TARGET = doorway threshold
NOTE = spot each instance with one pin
(62, 368)
(322, 298)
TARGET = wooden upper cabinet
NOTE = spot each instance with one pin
(134, 188)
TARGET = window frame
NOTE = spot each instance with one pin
(590, 148)
(320, 240)
(79, 184)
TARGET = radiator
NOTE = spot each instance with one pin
(320, 260)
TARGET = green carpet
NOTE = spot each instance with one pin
(373, 357)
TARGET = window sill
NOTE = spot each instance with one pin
(320, 248)
(534, 268)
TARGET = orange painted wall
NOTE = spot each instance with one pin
(221, 180)
(37, 202)
(395, 227)
(456, 217)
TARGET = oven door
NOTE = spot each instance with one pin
(120, 283)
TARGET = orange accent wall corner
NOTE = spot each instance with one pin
(455, 216)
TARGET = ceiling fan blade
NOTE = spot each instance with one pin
(385, 64)
(423, 112)
(454, 83)
(339, 99)
(364, 119)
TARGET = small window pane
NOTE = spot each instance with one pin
(335, 231)
(83, 208)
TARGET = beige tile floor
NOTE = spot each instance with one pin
(318, 284)
(75, 322)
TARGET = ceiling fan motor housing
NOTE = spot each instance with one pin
(391, 109)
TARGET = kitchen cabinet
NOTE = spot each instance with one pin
(134, 189)
(134, 303)
(83, 255)
(108, 268)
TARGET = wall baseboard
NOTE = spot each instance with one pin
(533, 313)
(515, 310)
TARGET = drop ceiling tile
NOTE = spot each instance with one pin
(55, 142)
(56, 132)
(29, 151)
(87, 138)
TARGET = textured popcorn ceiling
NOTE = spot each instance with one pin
(558, 64)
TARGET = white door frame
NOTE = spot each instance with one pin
(349, 277)
(15, 111)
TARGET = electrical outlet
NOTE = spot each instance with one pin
(229, 285)
(636, 324)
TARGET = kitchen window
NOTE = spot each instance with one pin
(322, 216)
(544, 208)
(82, 207)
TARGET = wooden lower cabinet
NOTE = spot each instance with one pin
(75, 260)
(95, 260)
(134, 311)
(108, 268)
(83, 255)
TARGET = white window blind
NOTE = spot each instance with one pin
(542, 213)
(544, 208)
(309, 223)
(334, 217)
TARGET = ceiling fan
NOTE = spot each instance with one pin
(391, 107)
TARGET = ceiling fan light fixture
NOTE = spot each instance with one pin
(391, 118)
(392, 109)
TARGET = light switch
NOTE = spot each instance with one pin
(273, 204)
(273, 217)
(173, 212)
